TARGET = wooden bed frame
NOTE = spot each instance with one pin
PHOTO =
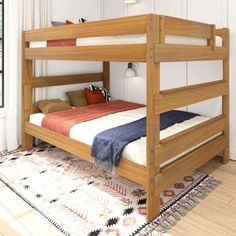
(155, 51)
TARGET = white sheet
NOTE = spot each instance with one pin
(135, 151)
(131, 39)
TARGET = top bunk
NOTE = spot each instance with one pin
(128, 39)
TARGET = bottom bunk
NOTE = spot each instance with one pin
(134, 153)
(133, 162)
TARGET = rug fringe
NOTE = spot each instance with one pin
(169, 217)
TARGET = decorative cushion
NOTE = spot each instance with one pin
(57, 23)
(77, 98)
(68, 22)
(52, 105)
(105, 93)
(94, 97)
(58, 106)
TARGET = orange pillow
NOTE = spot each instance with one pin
(94, 97)
(68, 22)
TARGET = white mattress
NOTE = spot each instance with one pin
(134, 151)
(131, 39)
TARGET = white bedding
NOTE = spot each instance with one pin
(131, 39)
(135, 151)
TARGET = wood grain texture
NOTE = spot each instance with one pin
(206, 217)
(178, 143)
(126, 168)
(182, 27)
(125, 52)
(47, 81)
(111, 27)
(153, 121)
(106, 75)
(27, 96)
(184, 165)
(175, 52)
(174, 98)
(226, 98)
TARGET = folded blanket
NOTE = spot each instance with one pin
(62, 121)
(109, 144)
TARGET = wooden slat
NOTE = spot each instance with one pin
(182, 27)
(226, 98)
(106, 75)
(153, 123)
(47, 81)
(126, 52)
(182, 141)
(111, 27)
(221, 32)
(27, 97)
(183, 166)
(175, 98)
(174, 52)
(126, 168)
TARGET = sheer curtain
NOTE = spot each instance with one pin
(20, 15)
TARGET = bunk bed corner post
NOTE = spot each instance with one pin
(26, 139)
(106, 75)
(153, 121)
(225, 99)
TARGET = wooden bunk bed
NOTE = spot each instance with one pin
(153, 52)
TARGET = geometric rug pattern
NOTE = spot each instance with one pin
(81, 199)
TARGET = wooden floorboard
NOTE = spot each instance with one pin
(215, 215)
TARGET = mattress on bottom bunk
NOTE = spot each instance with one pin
(134, 151)
(129, 39)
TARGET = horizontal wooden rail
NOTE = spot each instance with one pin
(135, 172)
(126, 52)
(179, 168)
(119, 26)
(174, 98)
(182, 27)
(47, 81)
(182, 141)
(174, 52)
(221, 32)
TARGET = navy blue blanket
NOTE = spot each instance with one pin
(109, 144)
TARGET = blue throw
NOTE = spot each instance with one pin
(109, 144)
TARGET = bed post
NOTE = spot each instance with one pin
(106, 75)
(153, 121)
(27, 140)
(225, 99)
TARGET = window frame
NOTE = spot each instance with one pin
(2, 102)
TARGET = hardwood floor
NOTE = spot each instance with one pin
(214, 216)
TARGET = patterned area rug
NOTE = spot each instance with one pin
(80, 199)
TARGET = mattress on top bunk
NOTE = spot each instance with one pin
(127, 39)
(134, 151)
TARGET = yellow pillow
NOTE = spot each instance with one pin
(77, 98)
(57, 106)
(52, 105)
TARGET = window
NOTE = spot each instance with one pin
(1, 53)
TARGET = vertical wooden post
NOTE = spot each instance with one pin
(153, 121)
(106, 75)
(225, 99)
(27, 140)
